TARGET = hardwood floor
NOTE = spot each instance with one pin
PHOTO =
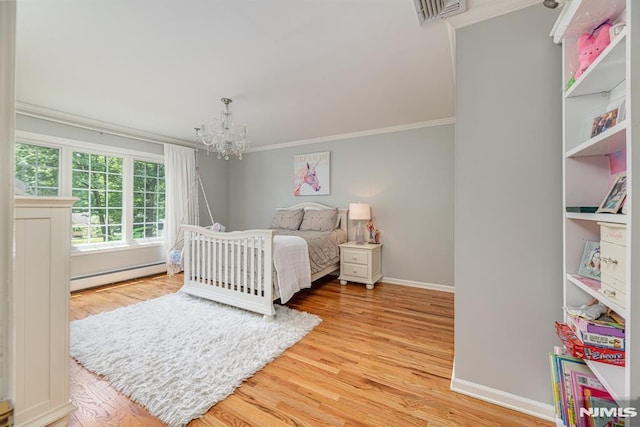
(380, 357)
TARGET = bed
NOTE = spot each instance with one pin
(251, 269)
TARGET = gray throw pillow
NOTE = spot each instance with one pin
(319, 220)
(287, 219)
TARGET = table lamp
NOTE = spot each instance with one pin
(359, 212)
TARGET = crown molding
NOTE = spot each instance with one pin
(350, 135)
(30, 110)
(487, 10)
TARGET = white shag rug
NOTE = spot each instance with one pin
(178, 355)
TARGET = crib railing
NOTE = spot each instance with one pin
(234, 268)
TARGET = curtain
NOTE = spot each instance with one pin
(181, 200)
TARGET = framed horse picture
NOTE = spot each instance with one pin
(311, 174)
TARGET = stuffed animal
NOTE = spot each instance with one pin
(591, 45)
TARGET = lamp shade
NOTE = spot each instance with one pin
(359, 211)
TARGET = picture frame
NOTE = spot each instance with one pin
(312, 174)
(604, 122)
(615, 196)
(590, 263)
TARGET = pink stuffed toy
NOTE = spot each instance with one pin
(591, 45)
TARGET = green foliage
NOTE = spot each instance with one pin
(38, 168)
(97, 182)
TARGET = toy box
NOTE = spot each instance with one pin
(577, 348)
(584, 331)
(598, 326)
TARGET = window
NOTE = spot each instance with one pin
(120, 192)
(148, 199)
(97, 182)
(37, 169)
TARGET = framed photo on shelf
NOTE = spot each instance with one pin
(604, 122)
(590, 264)
(615, 197)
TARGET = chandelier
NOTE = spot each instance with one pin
(220, 136)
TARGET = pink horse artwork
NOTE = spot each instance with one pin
(306, 175)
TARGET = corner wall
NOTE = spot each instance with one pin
(508, 208)
(406, 177)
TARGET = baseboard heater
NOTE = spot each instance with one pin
(105, 278)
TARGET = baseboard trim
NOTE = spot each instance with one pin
(116, 276)
(502, 398)
(423, 285)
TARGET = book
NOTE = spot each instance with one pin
(561, 368)
(585, 386)
(582, 209)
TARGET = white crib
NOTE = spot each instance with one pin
(236, 268)
(233, 268)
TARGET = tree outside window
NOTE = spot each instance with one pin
(97, 183)
(37, 168)
(148, 199)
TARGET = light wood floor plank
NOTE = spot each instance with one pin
(380, 357)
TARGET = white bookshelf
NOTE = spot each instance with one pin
(586, 161)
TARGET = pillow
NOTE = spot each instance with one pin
(319, 220)
(287, 219)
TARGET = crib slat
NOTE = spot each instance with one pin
(244, 265)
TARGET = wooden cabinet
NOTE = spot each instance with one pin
(592, 158)
(42, 229)
(360, 263)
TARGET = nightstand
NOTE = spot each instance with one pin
(360, 263)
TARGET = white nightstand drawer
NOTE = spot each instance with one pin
(356, 270)
(613, 293)
(613, 261)
(355, 256)
(614, 233)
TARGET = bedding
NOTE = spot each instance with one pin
(322, 245)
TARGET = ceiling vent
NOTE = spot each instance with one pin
(428, 10)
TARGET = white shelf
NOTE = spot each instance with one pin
(597, 295)
(612, 377)
(610, 141)
(598, 217)
(606, 72)
(581, 16)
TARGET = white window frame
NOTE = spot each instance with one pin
(67, 147)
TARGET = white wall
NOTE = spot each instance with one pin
(7, 126)
(406, 177)
(508, 212)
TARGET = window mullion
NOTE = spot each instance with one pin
(65, 171)
(127, 189)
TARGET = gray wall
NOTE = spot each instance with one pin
(508, 213)
(406, 177)
(215, 180)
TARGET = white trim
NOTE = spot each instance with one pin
(57, 417)
(117, 276)
(79, 251)
(502, 398)
(55, 141)
(490, 10)
(423, 285)
(55, 116)
(7, 179)
(400, 128)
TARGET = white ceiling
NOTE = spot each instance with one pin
(295, 69)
